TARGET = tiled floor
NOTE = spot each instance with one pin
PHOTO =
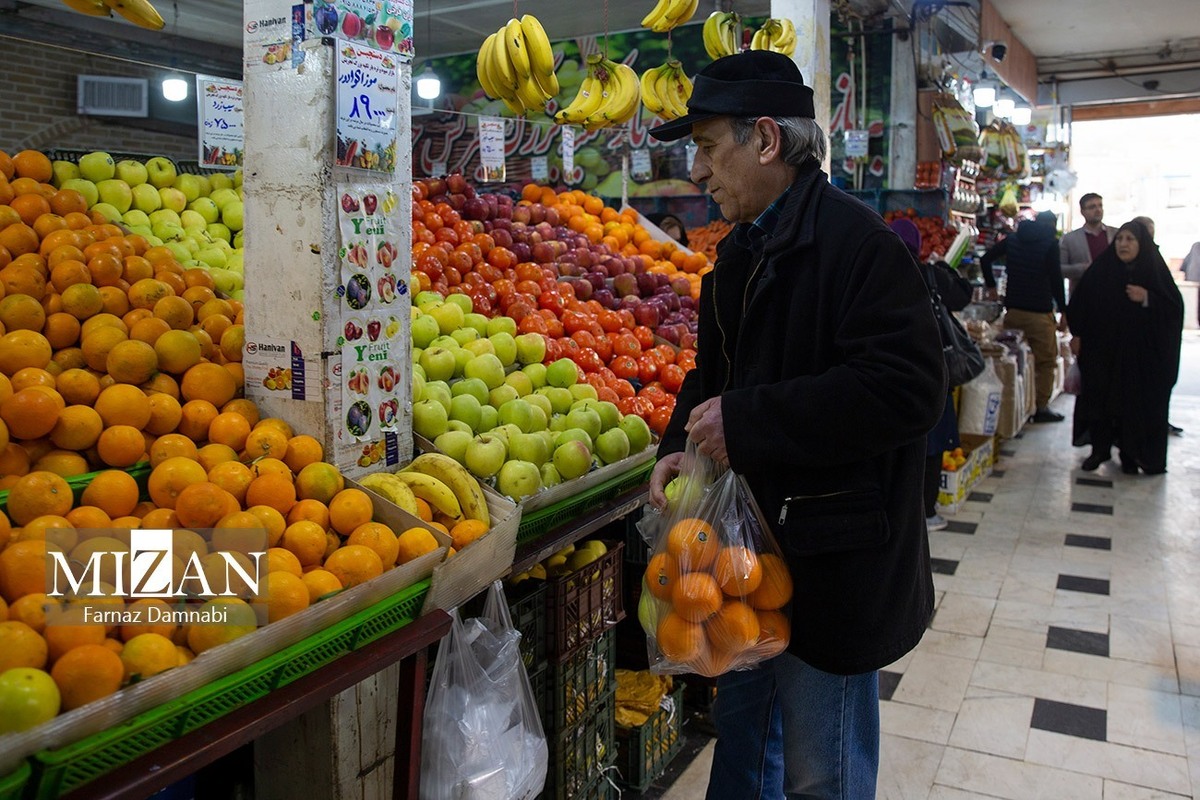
(1064, 657)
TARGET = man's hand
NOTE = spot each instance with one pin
(706, 428)
(1137, 294)
(665, 469)
(1076, 344)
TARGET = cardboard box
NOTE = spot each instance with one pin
(1012, 398)
(957, 485)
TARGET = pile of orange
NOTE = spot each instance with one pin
(106, 343)
(717, 605)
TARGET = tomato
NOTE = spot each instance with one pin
(625, 367)
(645, 336)
(672, 377)
(627, 344)
(659, 419)
(647, 369)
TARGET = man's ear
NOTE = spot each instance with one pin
(768, 140)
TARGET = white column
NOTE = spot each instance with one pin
(811, 18)
(902, 130)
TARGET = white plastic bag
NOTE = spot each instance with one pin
(979, 403)
(482, 738)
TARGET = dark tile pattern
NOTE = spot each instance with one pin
(1070, 719)
(1092, 508)
(1088, 642)
(943, 566)
(1094, 542)
(1076, 583)
(997, 473)
(888, 681)
(1009, 453)
(980, 497)
(954, 526)
(1103, 483)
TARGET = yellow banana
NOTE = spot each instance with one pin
(434, 492)
(466, 488)
(93, 8)
(514, 44)
(662, 90)
(606, 74)
(589, 98)
(537, 44)
(649, 99)
(503, 73)
(139, 12)
(679, 12)
(389, 486)
(624, 104)
(714, 36)
(731, 34)
(656, 14)
(530, 95)
(483, 66)
(760, 40)
(548, 84)
(785, 40)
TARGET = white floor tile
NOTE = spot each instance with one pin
(906, 768)
(960, 613)
(1011, 778)
(1119, 762)
(935, 681)
(915, 722)
(997, 724)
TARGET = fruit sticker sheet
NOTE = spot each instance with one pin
(367, 85)
(375, 375)
(386, 24)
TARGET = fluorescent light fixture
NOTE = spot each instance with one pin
(1022, 115)
(1003, 107)
(429, 85)
(175, 89)
(984, 94)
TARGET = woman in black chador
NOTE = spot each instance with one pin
(1127, 316)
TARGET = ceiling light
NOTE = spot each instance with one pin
(1003, 107)
(984, 94)
(429, 85)
(175, 89)
(1022, 115)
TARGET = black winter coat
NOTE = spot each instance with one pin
(830, 372)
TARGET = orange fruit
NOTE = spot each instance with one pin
(733, 628)
(319, 481)
(36, 494)
(306, 541)
(178, 350)
(82, 301)
(63, 462)
(693, 543)
(23, 569)
(66, 630)
(678, 639)
(287, 594)
(88, 517)
(240, 620)
(34, 165)
(353, 564)
(131, 630)
(211, 382)
(20, 349)
(424, 511)
(32, 609)
(319, 583)
(466, 532)
(414, 543)
(78, 428)
(148, 330)
(201, 505)
(148, 654)
(22, 312)
(21, 646)
(244, 407)
(280, 559)
(165, 414)
(737, 570)
(113, 491)
(175, 311)
(696, 596)
(266, 441)
(378, 537)
(160, 518)
(121, 446)
(123, 404)
(274, 490)
(229, 428)
(78, 387)
(87, 673)
(776, 588)
(171, 477)
(170, 446)
(661, 573)
(234, 477)
(350, 508)
(774, 633)
(196, 416)
(301, 451)
(131, 361)
(29, 413)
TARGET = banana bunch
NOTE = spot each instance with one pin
(721, 34)
(666, 90)
(776, 35)
(609, 95)
(139, 12)
(447, 486)
(516, 65)
(669, 14)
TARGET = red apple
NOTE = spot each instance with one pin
(456, 183)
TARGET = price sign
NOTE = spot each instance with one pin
(219, 112)
(539, 169)
(491, 148)
(367, 88)
(568, 149)
(639, 164)
(856, 144)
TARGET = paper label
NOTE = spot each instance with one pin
(639, 165)
(856, 144)
(220, 116)
(275, 366)
(539, 169)
(491, 148)
(267, 45)
(568, 151)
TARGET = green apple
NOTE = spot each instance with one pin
(206, 208)
(477, 321)
(519, 381)
(191, 218)
(64, 171)
(166, 216)
(221, 181)
(418, 382)
(531, 348)
(540, 418)
(424, 299)
(110, 212)
(132, 172)
(464, 334)
(502, 394)
(562, 373)
(424, 330)
(487, 368)
(638, 432)
(519, 479)
(234, 215)
(501, 325)
(146, 198)
(84, 187)
(560, 399)
(178, 249)
(97, 167)
(489, 417)
(454, 444)
(429, 418)
(478, 347)
(536, 400)
(583, 391)
(116, 193)
(237, 240)
(587, 419)
(439, 391)
(190, 185)
(168, 232)
(463, 301)
(446, 341)
(572, 458)
(213, 256)
(557, 423)
(529, 447)
(573, 435)
(459, 425)
(550, 476)
(224, 279)
(485, 455)
(223, 197)
(205, 186)
(472, 386)
(536, 373)
(609, 415)
(134, 218)
(172, 198)
(218, 231)
(612, 445)
(237, 178)
(506, 347)
(517, 412)
(160, 172)
(466, 408)
(449, 316)
(438, 363)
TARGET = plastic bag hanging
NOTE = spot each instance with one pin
(716, 589)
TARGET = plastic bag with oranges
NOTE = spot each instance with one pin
(716, 588)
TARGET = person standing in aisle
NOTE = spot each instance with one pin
(955, 292)
(819, 372)
(1148, 224)
(1127, 318)
(1079, 248)
(1035, 291)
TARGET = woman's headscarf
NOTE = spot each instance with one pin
(659, 219)
(909, 234)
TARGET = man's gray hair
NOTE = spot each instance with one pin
(803, 138)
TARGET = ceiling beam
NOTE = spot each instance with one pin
(1148, 108)
(1151, 86)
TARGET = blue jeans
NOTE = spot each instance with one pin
(788, 730)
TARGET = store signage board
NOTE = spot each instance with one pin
(856, 143)
(269, 37)
(539, 168)
(219, 115)
(367, 82)
(375, 375)
(277, 367)
(491, 148)
(385, 24)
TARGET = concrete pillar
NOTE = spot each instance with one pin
(902, 130)
(811, 18)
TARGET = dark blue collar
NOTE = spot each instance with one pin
(753, 235)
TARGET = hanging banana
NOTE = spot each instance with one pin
(669, 14)
(721, 34)
(776, 35)
(139, 12)
(666, 90)
(93, 8)
(609, 95)
(515, 64)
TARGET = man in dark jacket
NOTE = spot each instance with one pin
(1034, 292)
(819, 372)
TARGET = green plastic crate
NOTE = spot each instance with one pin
(538, 523)
(139, 471)
(12, 785)
(643, 753)
(581, 683)
(76, 764)
(579, 756)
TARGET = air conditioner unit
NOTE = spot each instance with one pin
(107, 96)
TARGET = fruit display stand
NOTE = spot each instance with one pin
(12, 785)
(558, 504)
(139, 471)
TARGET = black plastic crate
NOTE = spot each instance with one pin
(539, 682)
(585, 603)
(643, 753)
(579, 757)
(581, 683)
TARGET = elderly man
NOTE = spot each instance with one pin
(819, 373)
